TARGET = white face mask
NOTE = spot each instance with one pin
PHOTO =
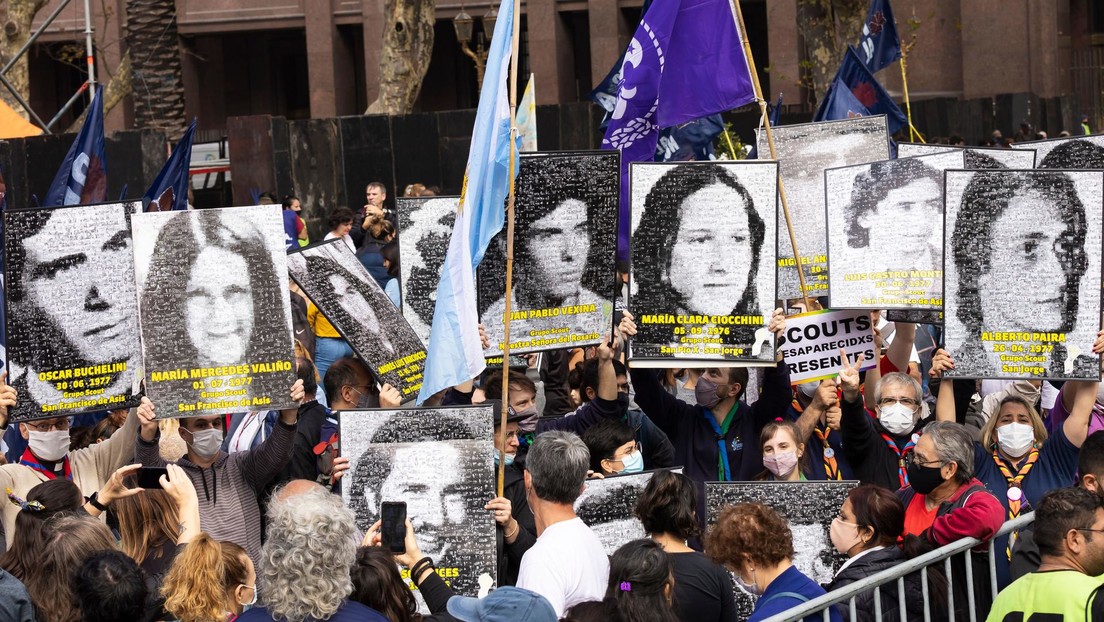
(50, 446)
(1015, 438)
(206, 443)
(898, 419)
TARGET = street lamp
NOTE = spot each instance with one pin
(462, 23)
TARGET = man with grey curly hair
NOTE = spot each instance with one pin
(568, 564)
(306, 559)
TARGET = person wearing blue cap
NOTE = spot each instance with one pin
(506, 604)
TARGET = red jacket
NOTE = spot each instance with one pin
(976, 515)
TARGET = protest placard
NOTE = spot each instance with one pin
(885, 223)
(72, 310)
(703, 263)
(804, 151)
(608, 506)
(214, 310)
(1070, 152)
(337, 283)
(425, 228)
(808, 507)
(565, 242)
(975, 157)
(814, 339)
(1023, 273)
(445, 454)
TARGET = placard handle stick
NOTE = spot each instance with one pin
(739, 17)
(509, 247)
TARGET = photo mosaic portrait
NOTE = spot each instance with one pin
(804, 151)
(425, 228)
(1022, 267)
(976, 157)
(885, 232)
(214, 310)
(72, 310)
(1071, 152)
(439, 461)
(337, 283)
(565, 242)
(607, 506)
(703, 266)
(808, 508)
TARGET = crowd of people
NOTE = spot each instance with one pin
(242, 521)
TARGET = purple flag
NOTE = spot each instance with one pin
(685, 61)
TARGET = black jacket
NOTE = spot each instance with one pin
(873, 563)
(509, 555)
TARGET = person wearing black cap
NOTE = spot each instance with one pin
(516, 526)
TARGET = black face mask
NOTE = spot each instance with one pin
(924, 479)
(622, 402)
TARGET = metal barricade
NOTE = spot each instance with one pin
(823, 605)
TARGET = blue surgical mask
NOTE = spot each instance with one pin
(634, 462)
(509, 458)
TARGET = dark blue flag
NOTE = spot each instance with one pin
(82, 178)
(841, 103)
(879, 46)
(170, 190)
(686, 61)
(855, 77)
(689, 141)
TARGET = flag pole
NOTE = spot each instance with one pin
(739, 17)
(913, 132)
(514, 44)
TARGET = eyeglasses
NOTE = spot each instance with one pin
(1088, 529)
(907, 401)
(912, 458)
(60, 426)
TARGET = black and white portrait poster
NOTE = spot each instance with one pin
(72, 310)
(885, 232)
(976, 157)
(914, 316)
(607, 506)
(565, 241)
(335, 280)
(1073, 152)
(425, 228)
(1022, 267)
(439, 461)
(804, 151)
(808, 507)
(214, 310)
(702, 276)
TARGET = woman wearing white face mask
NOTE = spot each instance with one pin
(783, 453)
(866, 531)
(754, 542)
(1015, 458)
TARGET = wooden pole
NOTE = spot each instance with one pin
(739, 17)
(509, 246)
(913, 132)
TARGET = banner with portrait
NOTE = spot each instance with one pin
(885, 240)
(808, 507)
(439, 461)
(975, 157)
(337, 283)
(565, 245)
(703, 272)
(804, 151)
(1022, 268)
(214, 310)
(71, 315)
(608, 507)
(425, 229)
(1070, 152)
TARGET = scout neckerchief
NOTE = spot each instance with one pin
(724, 473)
(28, 460)
(831, 467)
(1015, 492)
(902, 470)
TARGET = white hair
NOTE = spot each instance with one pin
(306, 559)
